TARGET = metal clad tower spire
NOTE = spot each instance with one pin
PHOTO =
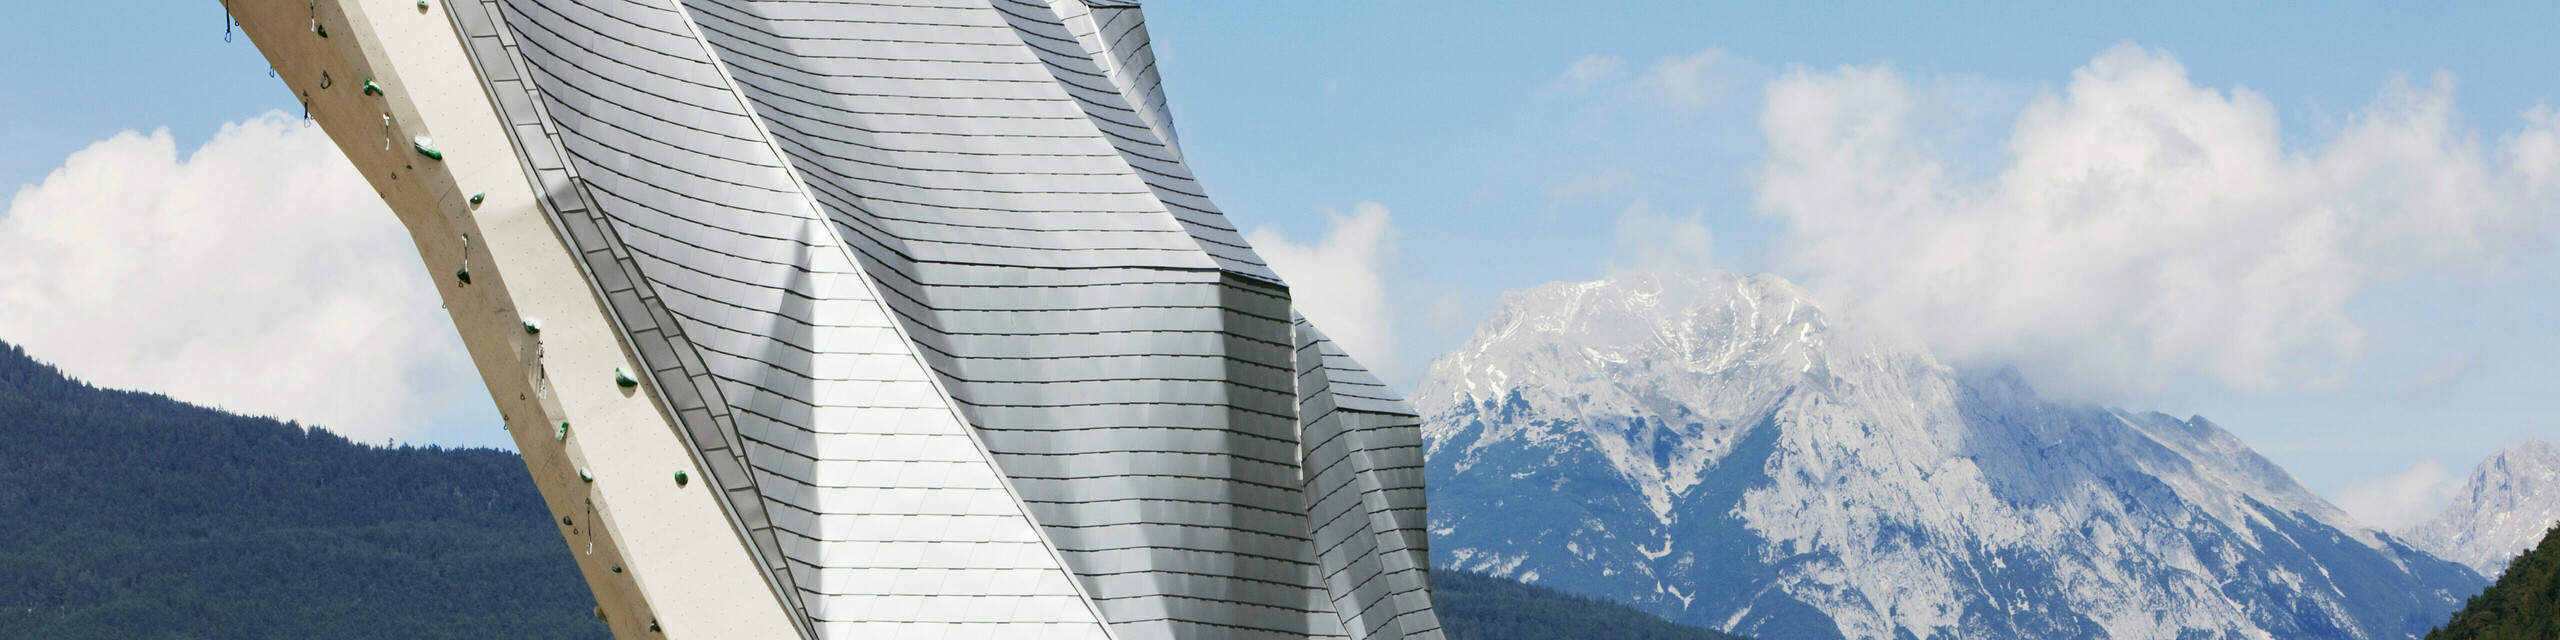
(931, 332)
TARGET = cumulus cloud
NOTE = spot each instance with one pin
(2147, 228)
(1685, 85)
(2399, 500)
(1586, 73)
(1656, 240)
(1337, 281)
(259, 274)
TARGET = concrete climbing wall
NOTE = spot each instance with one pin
(659, 555)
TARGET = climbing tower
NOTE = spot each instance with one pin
(834, 319)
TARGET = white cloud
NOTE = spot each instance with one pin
(1450, 317)
(2148, 228)
(2432, 383)
(1655, 240)
(2399, 500)
(1685, 86)
(1585, 74)
(260, 274)
(1681, 86)
(1337, 283)
(1596, 184)
(1571, 194)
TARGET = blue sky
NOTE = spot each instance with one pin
(1498, 146)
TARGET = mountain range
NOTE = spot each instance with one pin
(1709, 449)
(2502, 510)
(1713, 449)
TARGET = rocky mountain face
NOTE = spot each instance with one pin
(1710, 448)
(2510, 501)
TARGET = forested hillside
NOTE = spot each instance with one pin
(131, 516)
(1480, 607)
(2523, 605)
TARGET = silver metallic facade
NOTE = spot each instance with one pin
(959, 340)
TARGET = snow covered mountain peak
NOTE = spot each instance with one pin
(2511, 500)
(1642, 320)
(1695, 356)
(1711, 447)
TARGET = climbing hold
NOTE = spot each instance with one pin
(422, 6)
(316, 28)
(427, 148)
(681, 478)
(624, 380)
(564, 521)
(532, 326)
(585, 476)
(464, 275)
(372, 89)
(561, 433)
(617, 568)
(653, 625)
(599, 613)
(477, 197)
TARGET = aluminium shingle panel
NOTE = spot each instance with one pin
(725, 242)
(891, 213)
(930, 289)
(1364, 489)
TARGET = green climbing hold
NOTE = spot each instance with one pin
(464, 275)
(585, 476)
(532, 326)
(316, 28)
(617, 568)
(561, 433)
(422, 6)
(624, 380)
(477, 197)
(427, 148)
(372, 89)
(564, 521)
(653, 625)
(681, 478)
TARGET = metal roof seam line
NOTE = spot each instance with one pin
(926, 294)
(871, 289)
(488, 11)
